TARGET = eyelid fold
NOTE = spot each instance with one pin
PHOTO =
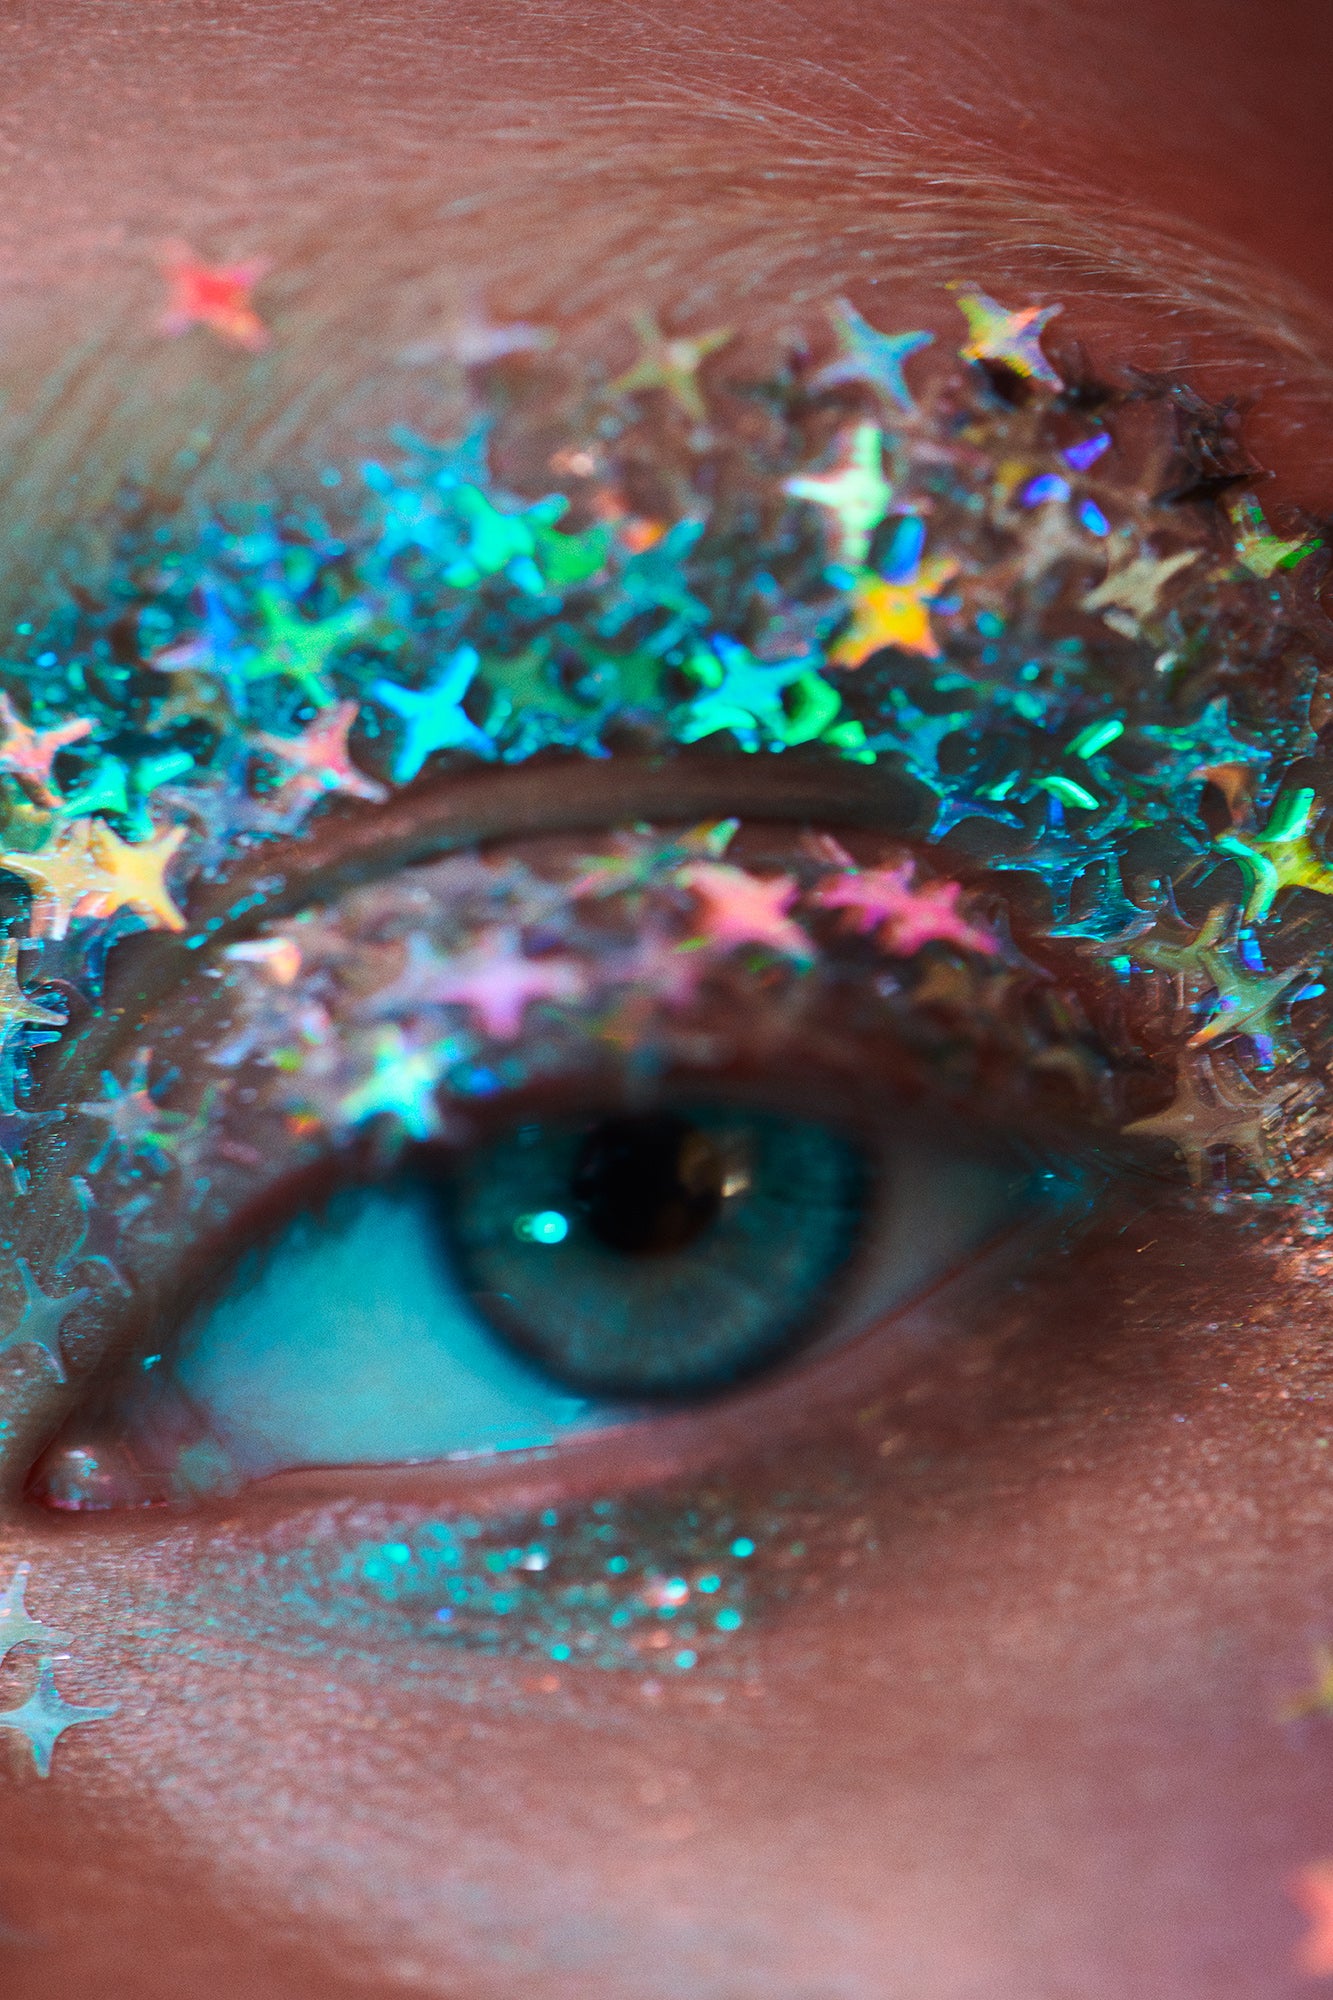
(376, 1016)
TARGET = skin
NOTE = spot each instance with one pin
(1014, 1733)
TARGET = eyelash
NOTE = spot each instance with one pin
(215, 1163)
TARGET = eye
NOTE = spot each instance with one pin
(566, 1274)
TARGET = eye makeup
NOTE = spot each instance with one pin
(1049, 609)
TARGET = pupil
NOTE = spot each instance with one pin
(651, 1184)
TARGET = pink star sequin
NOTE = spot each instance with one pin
(320, 758)
(495, 981)
(906, 917)
(29, 753)
(216, 296)
(1312, 1890)
(740, 908)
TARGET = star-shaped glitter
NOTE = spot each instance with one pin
(17, 1008)
(893, 613)
(1133, 585)
(867, 355)
(671, 363)
(38, 1325)
(137, 1126)
(299, 649)
(739, 908)
(495, 981)
(1247, 1002)
(434, 715)
(1317, 1699)
(45, 1716)
(904, 916)
(1202, 1116)
(319, 758)
(491, 539)
(1112, 921)
(217, 296)
(1283, 856)
(641, 857)
(1060, 857)
(1312, 1892)
(87, 870)
(133, 875)
(1258, 549)
(1012, 339)
(854, 492)
(403, 1084)
(30, 753)
(65, 877)
(745, 695)
(1164, 949)
(17, 1628)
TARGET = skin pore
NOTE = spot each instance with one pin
(1009, 1724)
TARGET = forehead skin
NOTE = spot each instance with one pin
(1029, 1748)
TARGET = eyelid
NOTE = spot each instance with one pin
(176, 1023)
(878, 1356)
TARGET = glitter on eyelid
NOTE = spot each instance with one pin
(1098, 697)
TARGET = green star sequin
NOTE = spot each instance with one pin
(1283, 856)
(299, 649)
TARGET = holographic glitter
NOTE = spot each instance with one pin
(44, 1716)
(1095, 683)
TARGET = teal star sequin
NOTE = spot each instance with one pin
(17, 1626)
(654, 581)
(867, 355)
(40, 1322)
(45, 1716)
(137, 1126)
(434, 716)
(490, 541)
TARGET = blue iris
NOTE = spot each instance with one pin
(659, 1254)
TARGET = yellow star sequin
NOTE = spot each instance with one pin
(855, 492)
(1317, 1699)
(1013, 339)
(893, 614)
(87, 870)
(134, 875)
(671, 363)
(64, 877)
(1283, 856)
(1258, 549)
(1135, 585)
(17, 1008)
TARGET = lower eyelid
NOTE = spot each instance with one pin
(920, 1240)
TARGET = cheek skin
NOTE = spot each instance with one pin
(1049, 1612)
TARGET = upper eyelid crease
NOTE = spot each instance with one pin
(466, 809)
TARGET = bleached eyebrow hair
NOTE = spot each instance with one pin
(722, 209)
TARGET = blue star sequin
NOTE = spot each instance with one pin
(434, 715)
